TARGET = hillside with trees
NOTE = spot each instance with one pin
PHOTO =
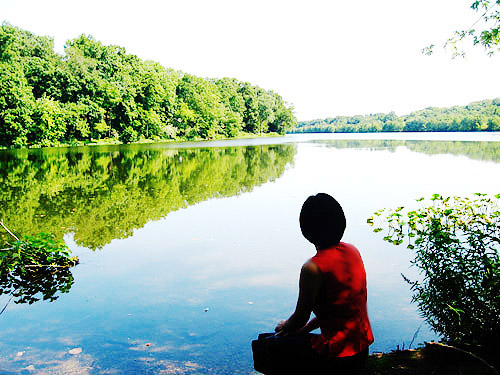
(478, 116)
(95, 92)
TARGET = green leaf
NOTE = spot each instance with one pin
(456, 250)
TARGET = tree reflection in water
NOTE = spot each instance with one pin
(104, 193)
(35, 267)
(486, 151)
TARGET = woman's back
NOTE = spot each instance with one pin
(341, 302)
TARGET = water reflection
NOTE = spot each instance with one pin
(29, 285)
(105, 193)
(240, 256)
(487, 151)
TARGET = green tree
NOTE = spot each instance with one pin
(16, 106)
(234, 106)
(96, 91)
(202, 111)
(284, 120)
(40, 64)
(251, 112)
(49, 122)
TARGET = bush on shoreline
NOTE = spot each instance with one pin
(456, 243)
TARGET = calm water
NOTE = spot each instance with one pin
(188, 251)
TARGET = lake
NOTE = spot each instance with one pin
(188, 251)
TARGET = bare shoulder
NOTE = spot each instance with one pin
(310, 278)
(310, 269)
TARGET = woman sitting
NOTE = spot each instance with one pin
(333, 286)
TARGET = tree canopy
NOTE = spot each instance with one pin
(95, 92)
(478, 116)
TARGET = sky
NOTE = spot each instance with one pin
(325, 57)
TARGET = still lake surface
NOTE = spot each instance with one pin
(188, 251)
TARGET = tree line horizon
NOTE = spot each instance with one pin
(95, 92)
(481, 115)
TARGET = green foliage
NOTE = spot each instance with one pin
(16, 106)
(50, 122)
(95, 92)
(456, 242)
(129, 135)
(485, 31)
(202, 107)
(478, 116)
(36, 267)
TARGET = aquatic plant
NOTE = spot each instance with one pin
(35, 267)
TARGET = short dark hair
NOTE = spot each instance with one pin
(322, 220)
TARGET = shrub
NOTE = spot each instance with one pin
(129, 135)
(456, 244)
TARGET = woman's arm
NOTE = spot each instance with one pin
(310, 326)
(309, 284)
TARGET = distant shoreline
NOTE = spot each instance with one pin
(117, 142)
(482, 115)
(270, 138)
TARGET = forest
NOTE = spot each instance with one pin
(478, 116)
(98, 93)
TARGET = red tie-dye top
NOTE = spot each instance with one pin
(341, 303)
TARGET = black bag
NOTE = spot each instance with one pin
(290, 355)
(262, 350)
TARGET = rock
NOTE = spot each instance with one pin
(75, 351)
